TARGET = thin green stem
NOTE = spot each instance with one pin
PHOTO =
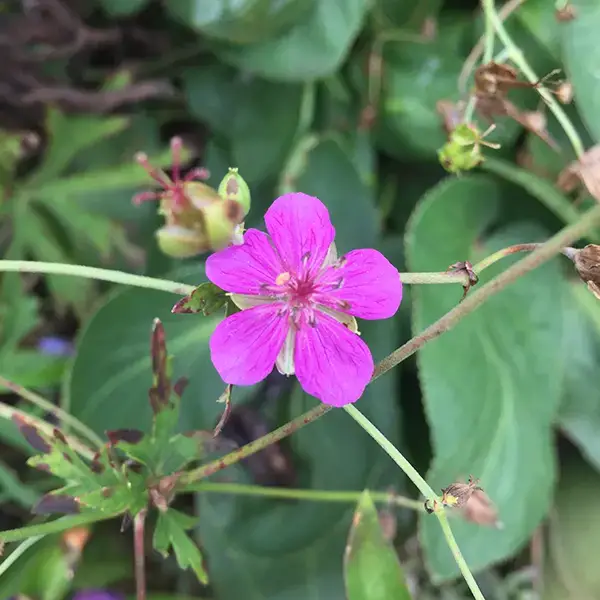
(253, 447)
(488, 50)
(342, 496)
(394, 453)
(433, 278)
(519, 59)
(18, 552)
(56, 526)
(9, 412)
(542, 254)
(164, 285)
(60, 414)
(425, 490)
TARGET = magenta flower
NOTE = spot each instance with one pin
(298, 303)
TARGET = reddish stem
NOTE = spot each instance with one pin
(139, 554)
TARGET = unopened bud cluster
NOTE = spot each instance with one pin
(198, 218)
(462, 152)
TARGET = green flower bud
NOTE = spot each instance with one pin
(179, 242)
(233, 187)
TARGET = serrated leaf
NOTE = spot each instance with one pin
(207, 298)
(492, 384)
(171, 532)
(372, 570)
(69, 135)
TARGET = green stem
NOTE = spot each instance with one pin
(341, 496)
(425, 490)
(18, 552)
(488, 50)
(542, 254)
(60, 414)
(164, 285)
(519, 59)
(9, 412)
(62, 524)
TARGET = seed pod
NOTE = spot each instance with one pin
(587, 263)
(234, 188)
(180, 242)
(458, 494)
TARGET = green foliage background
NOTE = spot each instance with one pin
(278, 88)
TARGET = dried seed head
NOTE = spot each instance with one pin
(564, 92)
(480, 510)
(585, 170)
(566, 13)
(458, 494)
(587, 263)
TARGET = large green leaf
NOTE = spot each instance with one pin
(276, 550)
(491, 385)
(371, 566)
(313, 48)
(581, 51)
(240, 21)
(107, 386)
(580, 409)
(571, 570)
(260, 118)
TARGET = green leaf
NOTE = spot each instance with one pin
(540, 21)
(170, 531)
(580, 50)
(260, 118)
(207, 299)
(119, 8)
(580, 411)
(113, 178)
(69, 135)
(416, 77)
(293, 550)
(240, 21)
(329, 173)
(107, 386)
(492, 384)
(314, 47)
(13, 489)
(541, 189)
(570, 570)
(371, 566)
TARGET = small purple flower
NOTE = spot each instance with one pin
(298, 303)
(98, 595)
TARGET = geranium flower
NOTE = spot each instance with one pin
(298, 303)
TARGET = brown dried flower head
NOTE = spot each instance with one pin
(566, 13)
(480, 510)
(585, 170)
(587, 263)
(458, 494)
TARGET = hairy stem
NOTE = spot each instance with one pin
(341, 496)
(425, 490)
(540, 255)
(519, 59)
(57, 412)
(139, 523)
(164, 285)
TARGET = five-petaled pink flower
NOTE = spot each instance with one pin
(298, 303)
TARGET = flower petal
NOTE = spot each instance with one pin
(332, 363)
(244, 346)
(243, 269)
(301, 230)
(365, 284)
